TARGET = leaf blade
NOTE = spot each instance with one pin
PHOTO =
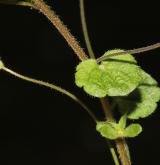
(111, 78)
(142, 102)
(107, 130)
(133, 130)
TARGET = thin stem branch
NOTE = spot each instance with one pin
(85, 30)
(20, 3)
(39, 82)
(24, 4)
(133, 51)
(55, 20)
(113, 153)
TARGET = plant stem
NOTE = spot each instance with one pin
(55, 20)
(21, 3)
(39, 82)
(123, 151)
(121, 144)
(113, 153)
(85, 30)
(24, 4)
(106, 109)
(133, 51)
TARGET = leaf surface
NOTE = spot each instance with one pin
(113, 77)
(133, 130)
(142, 101)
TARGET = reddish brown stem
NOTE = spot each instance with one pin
(55, 20)
(122, 149)
(106, 109)
(133, 51)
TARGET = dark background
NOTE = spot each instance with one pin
(40, 126)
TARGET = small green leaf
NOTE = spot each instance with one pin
(143, 101)
(113, 77)
(107, 130)
(133, 130)
(111, 130)
(122, 121)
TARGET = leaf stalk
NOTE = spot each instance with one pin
(132, 51)
(54, 87)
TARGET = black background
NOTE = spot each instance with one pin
(40, 126)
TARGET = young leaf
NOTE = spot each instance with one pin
(122, 121)
(113, 77)
(133, 130)
(111, 130)
(143, 101)
(107, 130)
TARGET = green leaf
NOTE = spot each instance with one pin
(143, 101)
(133, 130)
(113, 77)
(16, 2)
(122, 121)
(111, 130)
(107, 130)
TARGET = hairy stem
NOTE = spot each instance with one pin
(123, 151)
(85, 30)
(133, 51)
(39, 82)
(121, 144)
(55, 20)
